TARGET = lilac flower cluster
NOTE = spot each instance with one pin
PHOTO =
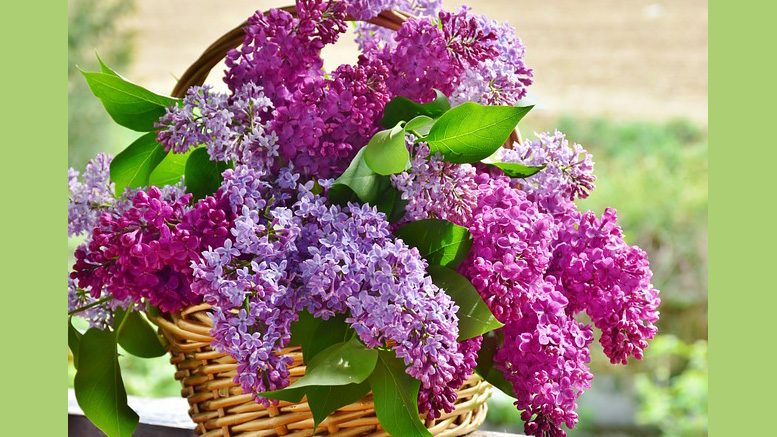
(435, 188)
(370, 36)
(544, 356)
(146, 251)
(568, 172)
(231, 127)
(88, 199)
(610, 281)
(291, 251)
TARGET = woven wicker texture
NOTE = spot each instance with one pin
(220, 408)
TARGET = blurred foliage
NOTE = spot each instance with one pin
(673, 389)
(93, 26)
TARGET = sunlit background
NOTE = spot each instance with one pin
(627, 79)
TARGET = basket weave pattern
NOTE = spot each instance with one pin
(219, 407)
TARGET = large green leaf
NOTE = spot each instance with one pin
(392, 204)
(302, 331)
(130, 105)
(440, 242)
(474, 316)
(323, 401)
(98, 385)
(349, 362)
(471, 132)
(485, 363)
(201, 175)
(395, 394)
(170, 170)
(137, 336)
(387, 153)
(329, 332)
(403, 109)
(73, 340)
(515, 170)
(360, 181)
(133, 166)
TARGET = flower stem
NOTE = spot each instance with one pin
(93, 304)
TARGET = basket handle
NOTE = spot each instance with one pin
(196, 74)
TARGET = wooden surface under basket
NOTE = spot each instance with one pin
(219, 407)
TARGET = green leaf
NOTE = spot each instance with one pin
(98, 385)
(391, 203)
(201, 175)
(328, 332)
(344, 363)
(386, 153)
(485, 362)
(133, 166)
(440, 242)
(515, 170)
(104, 68)
(302, 331)
(129, 105)
(73, 340)
(395, 394)
(323, 401)
(137, 336)
(358, 183)
(403, 109)
(471, 132)
(420, 125)
(474, 316)
(170, 170)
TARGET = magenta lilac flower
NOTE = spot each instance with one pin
(610, 281)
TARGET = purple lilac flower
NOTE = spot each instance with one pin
(568, 172)
(370, 36)
(511, 246)
(99, 316)
(499, 80)
(146, 251)
(609, 280)
(87, 200)
(435, 188)
(544, 357)
(232, 128)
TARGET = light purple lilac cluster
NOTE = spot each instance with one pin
(232, 128)
(289, 250)
(568, 172)
(87, 199)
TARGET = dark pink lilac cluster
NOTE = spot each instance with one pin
(146, 251)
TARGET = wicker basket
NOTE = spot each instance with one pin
(220, 408)
(218, 405)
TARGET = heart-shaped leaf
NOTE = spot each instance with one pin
(133, 166)
(323, 401)
(98, 385)
(136, 335)
(358, 183)
(474, 316)
(170, 170)
(395, 394)
(201, 175)
(485, 363)
(515, 170)
(129, 105)
(403, 109)
(349, 362)
(391, 203)
(387, 153)
(328, 332)
(73, 341)
(440, 242)
(471, 132)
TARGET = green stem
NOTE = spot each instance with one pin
(93, 304)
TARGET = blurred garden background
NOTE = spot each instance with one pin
(627, 79)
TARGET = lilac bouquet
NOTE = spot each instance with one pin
(385, 201)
